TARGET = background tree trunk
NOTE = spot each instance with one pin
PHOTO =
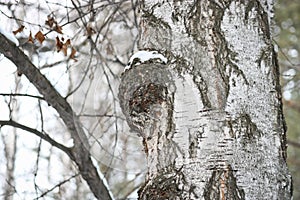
(211, 118)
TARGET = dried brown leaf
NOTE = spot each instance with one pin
(72, 55)
(64, 49)
(20, 29)
(68, 42)
(58, 29)
(40, 37)
(50, 21)
(59, 44)
(30, 38)
(65, 46)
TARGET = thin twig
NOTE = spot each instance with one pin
(56, 186)
(22, 95)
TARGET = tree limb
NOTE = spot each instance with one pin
(80, 151)
(45, 137)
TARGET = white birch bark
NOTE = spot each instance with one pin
(211, 118)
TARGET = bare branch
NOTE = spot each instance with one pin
(80, 151)
(97, 115)
(45, 137)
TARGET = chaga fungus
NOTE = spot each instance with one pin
(146, 94)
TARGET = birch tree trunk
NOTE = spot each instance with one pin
(211, 117)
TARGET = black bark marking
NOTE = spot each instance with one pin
(169, 184)
(262, 18)
(244, 128)
(202, 87)
(194, 140)
(280, 117)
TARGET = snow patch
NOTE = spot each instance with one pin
(10, 36)
(143, 56)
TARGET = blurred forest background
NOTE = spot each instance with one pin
(85, 47)
(287, 37)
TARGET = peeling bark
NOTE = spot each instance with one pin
(211, 118)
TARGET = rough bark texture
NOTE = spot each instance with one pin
(211, 118)
(80, 152)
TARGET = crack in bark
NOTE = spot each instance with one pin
(223, 185)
